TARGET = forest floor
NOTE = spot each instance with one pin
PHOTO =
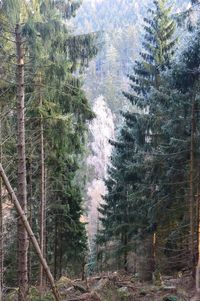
(118, 287)
(122, 287)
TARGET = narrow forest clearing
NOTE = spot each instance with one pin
(116, 287)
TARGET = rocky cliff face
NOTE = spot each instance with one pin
(101, 130)
(120, 22)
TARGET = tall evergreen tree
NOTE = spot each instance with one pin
(158, 48)
(135, 142)
(55, 100)
(178, 156)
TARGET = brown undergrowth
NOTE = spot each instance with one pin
(117, 287)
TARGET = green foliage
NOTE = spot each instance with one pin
(158, 48)
(65, 111)
(132, 182)
(53, 95)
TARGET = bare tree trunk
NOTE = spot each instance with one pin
(45, 221)
(42, 191)
(29, 231)
(56, 248)
(125, 242)
(22, 190)
(60, 254)
(198, 240)
(30, 213)
(154, 251)
(97, 245)
(1, 222)
(191, 191)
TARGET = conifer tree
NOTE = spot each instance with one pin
(55, 100)
(178, 155)
(158, 48)
(18, 15)
(135, 141)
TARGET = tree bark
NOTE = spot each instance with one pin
(1, 222)
(55, 247)
(45, 221)
(191, 191)
(22, 189)
(198, 240)
(60, 253)
(97, 246)
(29, 231)
(30, 211)
(42, 190)
(125, 242)
(154, 251)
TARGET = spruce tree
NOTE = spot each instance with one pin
(132, 170)
(68, 118)
(158, 48)
(53, 97)
(178, 155)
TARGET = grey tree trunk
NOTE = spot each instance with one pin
(22, 256)
(42, 192)
(191, 191)
(29, 169)
(197, 277)
(1, 222)
(55, 247)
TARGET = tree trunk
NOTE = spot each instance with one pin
(22, 191)
(55, 248)
(97, 246)
(154, 252)
(125, 242)
(60, 254)
(191, 191)
(45, 222)
(29, 231)
(198, 240)
(30, 213)
(1, 221)
(145, 259)
(42, 190)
